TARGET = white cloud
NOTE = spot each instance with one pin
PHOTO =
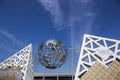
(78, 11)
(11, 37)
(84, 1)
(80, 16)
(53, 7)
(89, 14)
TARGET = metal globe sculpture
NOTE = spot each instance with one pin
(52, 54)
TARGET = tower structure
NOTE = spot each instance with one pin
(94, 48)
(19, 65)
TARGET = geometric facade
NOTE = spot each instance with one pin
(94, 48)
(19, 66)
(100, 72)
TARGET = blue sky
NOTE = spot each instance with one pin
(34, 21)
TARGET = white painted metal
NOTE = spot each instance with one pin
(23, 59)
(96, 48)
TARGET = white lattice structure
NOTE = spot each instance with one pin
(96, 48)
(22, 59)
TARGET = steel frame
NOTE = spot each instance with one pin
(94, 49)
(23, 59)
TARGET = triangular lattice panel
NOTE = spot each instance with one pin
(19, 65)
(94, 49)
